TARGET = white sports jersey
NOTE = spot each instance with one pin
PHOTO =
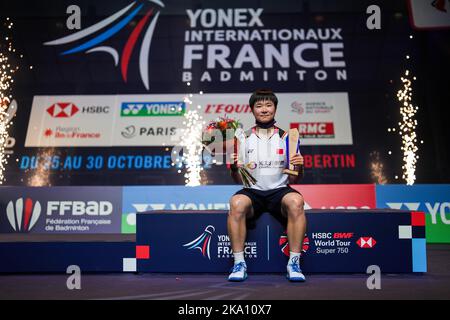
(266, 158)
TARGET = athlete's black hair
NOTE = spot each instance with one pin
(263, 94)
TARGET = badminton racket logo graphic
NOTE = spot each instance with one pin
(22, 216)
(112, 25)
(202, 242)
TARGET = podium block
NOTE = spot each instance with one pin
(337, 241)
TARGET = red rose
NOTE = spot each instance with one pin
(222, 125)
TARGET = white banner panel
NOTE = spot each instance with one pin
(66, 121)
(322, 118)
(428, 14)
(156, 120)
(148, 120)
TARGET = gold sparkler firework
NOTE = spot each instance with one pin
(41, 175)
(377, 169)
(6, 79)
(407, 129)
(191, 141)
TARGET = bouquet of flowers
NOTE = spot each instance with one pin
(230, 129)
(223, 125)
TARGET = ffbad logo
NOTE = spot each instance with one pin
(79, 208)
(23, 216)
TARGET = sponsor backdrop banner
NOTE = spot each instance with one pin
(113, 209)
(119, 82)
(63, 121)
(153, 120)
(60, 210)
(338, 196)
(434, 200)
(335, 242)
(142, 199)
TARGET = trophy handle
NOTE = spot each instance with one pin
(293, 137)
(239, 143)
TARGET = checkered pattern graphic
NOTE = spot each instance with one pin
(416, 233)
(142, 253)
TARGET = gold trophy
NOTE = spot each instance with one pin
(293, 137)
(247, 178)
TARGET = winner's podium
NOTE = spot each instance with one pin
(337, 241)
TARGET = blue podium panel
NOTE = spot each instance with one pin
(97, 256)
(336, 241)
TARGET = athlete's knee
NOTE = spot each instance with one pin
(295, 204)
(239, 206)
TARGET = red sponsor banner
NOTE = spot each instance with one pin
(227, 108)
(338, 196)
(323, 161)
(314, 129)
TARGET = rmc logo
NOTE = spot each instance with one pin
(94, 37)
(23, 216)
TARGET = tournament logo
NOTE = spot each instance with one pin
(202, 242)
(23, 216)
(284, 244)
(97, 35)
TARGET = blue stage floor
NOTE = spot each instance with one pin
(433, 285)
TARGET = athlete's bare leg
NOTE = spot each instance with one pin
(240, 209)
(292, 206)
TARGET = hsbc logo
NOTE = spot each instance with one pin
(69, 109)
(22, 216)
(366, 242)
(62, 110)
(329, 235)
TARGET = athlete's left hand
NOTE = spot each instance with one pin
(297, 160)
